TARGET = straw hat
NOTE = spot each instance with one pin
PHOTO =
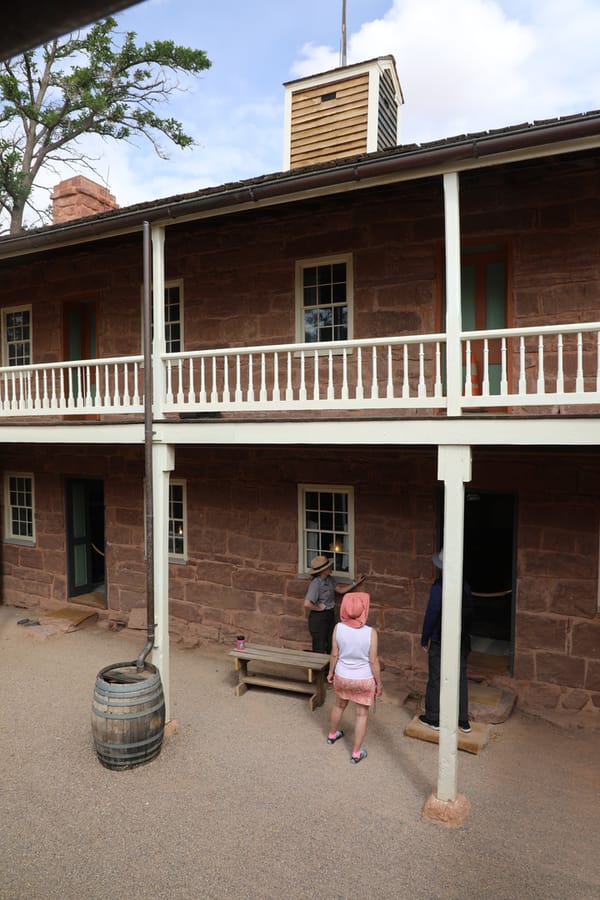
(319, 564)
(355, 609)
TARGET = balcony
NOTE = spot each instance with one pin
(534, 369)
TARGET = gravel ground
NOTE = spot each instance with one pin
(247, 800)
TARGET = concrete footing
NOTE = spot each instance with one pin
(450, 813)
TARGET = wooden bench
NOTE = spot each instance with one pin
(314, 665)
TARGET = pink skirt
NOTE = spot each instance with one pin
(361, 690)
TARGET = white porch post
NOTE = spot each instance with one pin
(453, 294)
(163, 463)
(454, 469)
(158, 318)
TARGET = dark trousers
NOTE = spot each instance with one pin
(432, 694)
(321, 625)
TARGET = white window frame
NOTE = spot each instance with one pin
(303, 264)
(303, 549)
(9, 535)
(175, 283)
(178, 557)
(5, 313)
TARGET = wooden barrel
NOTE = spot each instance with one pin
(128, 715)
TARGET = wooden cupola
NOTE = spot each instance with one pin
(343, 112)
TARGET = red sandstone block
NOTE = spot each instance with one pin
(585, 639)
(556, 668)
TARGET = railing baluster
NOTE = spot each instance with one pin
(202, 397)
(302, 391)
(214, 396)
(522, 376)
(330, 387)
(360, 392)
(136, 384)
(238, 380)
(504, 367)
(598, 363)
(180, 393)
(422, 388)
(405, 373)
(560, 365)
(262, 394)
(541, 379)
(106, 387)
(374, 376)
(169, 390)
(276, 397)
(226, 393)
(250, 394)
(316, 390)
(345, 392)
(468, 389)
(389, 392)
(289, 388)
(191, 394)
(485, 384)
(117, 390)
(437, 390)
(579, 381)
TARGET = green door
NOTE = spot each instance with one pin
(85, 535)
(484, 299)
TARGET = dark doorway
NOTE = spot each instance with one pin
(85, 536)
(489, 562)
(489, 566)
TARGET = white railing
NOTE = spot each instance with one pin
(504, 368)
(535, 366)
(367, 374)
(87, 387)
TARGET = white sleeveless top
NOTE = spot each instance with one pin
(353, 645)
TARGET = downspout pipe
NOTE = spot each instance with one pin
(148, 407)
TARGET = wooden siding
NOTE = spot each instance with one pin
(387, 124)
(324, 129)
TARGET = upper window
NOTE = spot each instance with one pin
(18, 506)
(173, 316)
(177, 520)
(326, 526)
(16, 337)
(324, 299)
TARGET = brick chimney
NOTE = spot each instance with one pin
(351, 110)
(78, 197)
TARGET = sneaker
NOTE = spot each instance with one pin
(425, 721)
(338, 735)
(356, 759)
(465, 727)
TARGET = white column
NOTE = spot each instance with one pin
(158, 319)
(453, 294)
(454, 469)
(163, 463)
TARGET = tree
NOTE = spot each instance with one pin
(78, 85)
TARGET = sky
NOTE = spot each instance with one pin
(464, 66)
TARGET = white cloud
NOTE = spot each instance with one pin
(472, 65)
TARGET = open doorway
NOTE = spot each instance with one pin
(86, 570)
(489, 566)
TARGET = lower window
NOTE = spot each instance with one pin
(19, 509)
(177, 520)
(326, 526)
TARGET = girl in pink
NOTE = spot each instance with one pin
(354, 670)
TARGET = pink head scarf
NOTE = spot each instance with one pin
(355, 609)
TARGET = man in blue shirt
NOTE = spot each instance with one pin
(431, 642)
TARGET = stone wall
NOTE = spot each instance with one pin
(241, 573)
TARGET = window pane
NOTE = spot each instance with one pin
(327, 527)
(20, 494)
(325, 288)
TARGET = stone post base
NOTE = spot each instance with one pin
(450, 813)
